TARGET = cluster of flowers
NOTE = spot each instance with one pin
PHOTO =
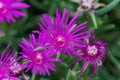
(56, 36)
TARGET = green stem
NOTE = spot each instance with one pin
(33, 77)
(58, 55)
(92, 14)
(107, 8)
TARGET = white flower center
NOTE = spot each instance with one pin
(37, 58)
(1, 5)
(92, 50)
(87, 4)
(60, 41)
(2, 8)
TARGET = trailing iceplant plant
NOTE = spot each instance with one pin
(37, 57)
(61, 35)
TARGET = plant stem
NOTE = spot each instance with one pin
(33, 77)
(92, 14)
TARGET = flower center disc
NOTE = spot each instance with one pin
(60, 41)
(37, 58)
(86, 4)
(92, 50)
(2, 8)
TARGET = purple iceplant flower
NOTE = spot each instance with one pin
(93, 52)
(88, 5)
(6, 62)
(37, 57)
(60, 34)
(10, 9)
(16, 68)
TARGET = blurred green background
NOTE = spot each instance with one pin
(108, 30)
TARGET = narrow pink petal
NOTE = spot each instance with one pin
(63, 15)
(83, 33)
(30, 65)
(2, 54)
(72, 21)
(41, 70)
(42, 28)
(45, 67)
(67, 18)
(68, 52)
(26, 43)
(33, 40)
(19, 5)
(17, 13)
(7, 18)
(43, 22)
(83, 67)
(48, 20)
(92, 70)
(34, 70)
(51, 67)
(78, 29)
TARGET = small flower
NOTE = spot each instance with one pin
(88, 5)
(10, 9)
(16, 68)
(60, 34)
(37, 57)
(5, 63)
(93, 52)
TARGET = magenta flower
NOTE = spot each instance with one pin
(37, 57)
(93, 52)
(16, 68)
(88, 5)
(60, 34)
(10, 9)
(5, 63)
